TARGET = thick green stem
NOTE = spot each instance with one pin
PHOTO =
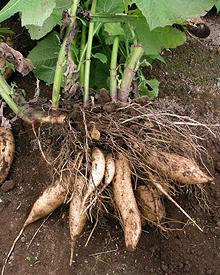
(82, 55)
(88, 56)
(81, 60)
(113, 69)
(5, 90)
(129, 72)
(59, 72)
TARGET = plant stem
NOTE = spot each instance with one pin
(5, 90)
(129, 72)
(88, 56)
(59, 72)
(82, 55)
(113, 69)
(81, 61)
(113, 18)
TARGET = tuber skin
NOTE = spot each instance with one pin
(7, 151)
(97, 172)
(110, 169)
(149, 203)
(177, 168)
(77, 215)
(52, 197)
(30, 116)
(125, 202)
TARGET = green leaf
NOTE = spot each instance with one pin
(37, 32)
(101, 57)
(149, 88)
(167, 12)
(111, 30)
(110, 6)
(160, 38)
(126, 4)
(99, 74)
(218, 6)
(44, 57)
(32, 12)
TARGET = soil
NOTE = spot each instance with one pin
(188, 86)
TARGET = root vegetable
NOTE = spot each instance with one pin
(109, 169)
(97, 172)
(7, 149)
(178, 168)
(32, 116)
(149, 203)
(77, 216)
(126, 203)
(53, 196)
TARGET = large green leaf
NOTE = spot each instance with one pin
(37, 32)
(113, 29)
(44, 57)
(33, 12)
(110, 6)
(160, 38)
(110, 30)
(167, 12)
(218, 6)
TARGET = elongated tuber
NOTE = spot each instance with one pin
(126, 203)
(178, 168)
(7, 150)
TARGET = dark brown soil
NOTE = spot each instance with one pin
(188, 86)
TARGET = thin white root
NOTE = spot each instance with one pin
(11, 249)
(35, 234)
(72, 249)
(162, 190)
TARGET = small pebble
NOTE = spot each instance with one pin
(8, 185)
(23, 239)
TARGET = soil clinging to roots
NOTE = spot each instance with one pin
(148, 137)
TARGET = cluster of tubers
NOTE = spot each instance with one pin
(136, 204)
